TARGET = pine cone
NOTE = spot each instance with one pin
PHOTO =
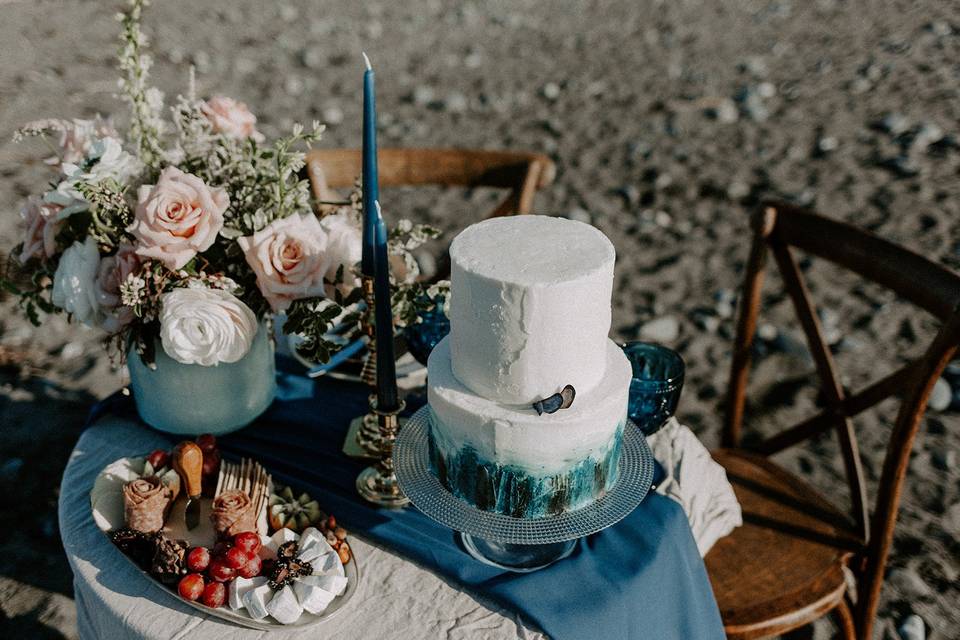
(137, 545)
(169, 559)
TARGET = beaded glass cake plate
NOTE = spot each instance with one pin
(106, 501)
(411, 458)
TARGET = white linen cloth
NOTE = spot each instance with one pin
(395, 599)
(697, 482)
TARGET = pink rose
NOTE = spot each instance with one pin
(78, 135)
(231, 118)
(290, 259)
(177, 218)
(40, 238)
(112, 273)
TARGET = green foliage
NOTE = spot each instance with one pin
(311, 319)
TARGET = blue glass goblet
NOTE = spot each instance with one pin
(423, 336)
(656, 384)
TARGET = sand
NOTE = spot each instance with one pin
(667, 120)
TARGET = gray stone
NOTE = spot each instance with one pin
(423, 95)
(664, 330)
(550, 91)
(313, 57)
(951, 520)
(332, 115)
(767, 332)
(940, 397)
(894, 124)
(912, 628)
(580, 215)
(907, 584)
(827, 144)
(944, 459)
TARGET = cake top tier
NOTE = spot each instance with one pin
(529, 307)
(532, 250)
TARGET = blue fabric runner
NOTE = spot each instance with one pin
(640, 579)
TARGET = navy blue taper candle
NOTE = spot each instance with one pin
(371, 187)
(388, 398)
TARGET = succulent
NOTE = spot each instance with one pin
(293, 512)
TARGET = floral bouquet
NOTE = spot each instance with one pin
(190, 230)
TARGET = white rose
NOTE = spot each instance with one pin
(344, 248)
(205, 326)
(75, 282)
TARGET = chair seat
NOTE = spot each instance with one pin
(784, 567)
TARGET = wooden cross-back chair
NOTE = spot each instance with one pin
(784, 568)
(521, 173)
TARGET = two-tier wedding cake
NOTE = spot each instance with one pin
(529, 314)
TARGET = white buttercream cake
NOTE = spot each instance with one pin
(530, 314)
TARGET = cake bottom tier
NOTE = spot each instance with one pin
(513, 491)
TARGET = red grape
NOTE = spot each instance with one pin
(252, 568)
(236, 558)
(207, 443)
(198, 559)
(159, 459)
(249, 541)
(220, 571)
(191, 586)
(214, 595)
(211, 463)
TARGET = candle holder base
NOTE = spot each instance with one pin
(378, 483)
(380, 487)
(351, 443)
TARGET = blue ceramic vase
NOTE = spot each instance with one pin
(190, 399)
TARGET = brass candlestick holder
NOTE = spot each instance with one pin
(366, 426)
(378, 483)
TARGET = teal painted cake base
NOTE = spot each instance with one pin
(515, 492)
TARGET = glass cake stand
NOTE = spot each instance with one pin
(517, 544)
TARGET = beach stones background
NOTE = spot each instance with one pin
(668, 122)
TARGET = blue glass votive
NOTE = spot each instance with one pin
(656, 384)
(424, 335)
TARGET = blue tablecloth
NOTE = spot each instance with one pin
(641, 578)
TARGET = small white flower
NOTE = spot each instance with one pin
(112, 161)
(75, 282)
(205, 326)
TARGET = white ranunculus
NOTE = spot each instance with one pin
(205, 326)
(75, 282)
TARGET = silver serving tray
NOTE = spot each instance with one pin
(106, 503)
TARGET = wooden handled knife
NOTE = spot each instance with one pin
(188, 462)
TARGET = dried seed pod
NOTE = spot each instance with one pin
(568, 394)
(557, 401)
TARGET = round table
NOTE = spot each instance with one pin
(396, 598)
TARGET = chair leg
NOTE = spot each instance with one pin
(844, 619)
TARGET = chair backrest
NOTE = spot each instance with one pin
(521, 173)
(777, 229)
